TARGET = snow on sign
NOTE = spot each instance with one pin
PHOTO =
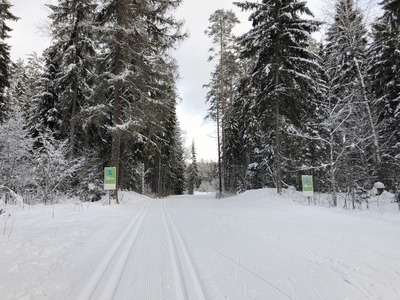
(308, 189)
(110, 178)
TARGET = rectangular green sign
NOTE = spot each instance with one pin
(308, 188)
(110, 178)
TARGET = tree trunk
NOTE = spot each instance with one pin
(378, 160)
(219, 155)
(332, 172)
(223, 113)
(72, 129)
(277, 140)
(159, 188)
(331, 155)
(143, 178)
(74, 99)
(118, 86)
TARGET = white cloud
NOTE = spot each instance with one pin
(26, 37)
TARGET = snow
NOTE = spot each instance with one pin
(252, 246)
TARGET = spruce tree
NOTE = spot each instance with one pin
(193, 177)
(135, 37)
(5, 61)
(284, 73)
(24, 82)
(45, 112)
(384, 70)
(72, 31)
(352, 148)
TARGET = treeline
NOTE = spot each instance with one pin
(287, 105)
(103, 94)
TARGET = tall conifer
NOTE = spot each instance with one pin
(136, 37)
(384, 54)
(285, 68)
(5, 61)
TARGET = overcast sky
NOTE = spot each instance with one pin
(192, 58)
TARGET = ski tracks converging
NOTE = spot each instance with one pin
(188, 284)
(106, 276)
(120, 273)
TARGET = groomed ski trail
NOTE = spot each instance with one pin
(120, 274)
(108, 272)
(188, 284)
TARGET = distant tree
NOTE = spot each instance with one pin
(159, 154)
(175, 165)
(193, 174)
(208, 171)
(5, 61)
(24, 80)
(45, 111)
(18, 83)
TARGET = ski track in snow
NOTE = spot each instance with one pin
(187, 281)
(107, 274)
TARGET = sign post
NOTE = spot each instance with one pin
(308, 188)
(110, 180)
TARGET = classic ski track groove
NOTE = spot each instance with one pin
(177, 244)
(125, 243)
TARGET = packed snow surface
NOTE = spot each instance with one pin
(252, 246)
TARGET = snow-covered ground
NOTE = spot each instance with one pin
(252, 246)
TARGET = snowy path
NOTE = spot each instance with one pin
(147, 258)
(254, 246)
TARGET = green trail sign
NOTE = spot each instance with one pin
(110, 178)
(308, 188)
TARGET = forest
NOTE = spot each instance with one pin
(284, 103)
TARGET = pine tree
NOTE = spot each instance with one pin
(5, 61)
(284, 73)
(220, 30)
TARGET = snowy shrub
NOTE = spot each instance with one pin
(252, 176)
(10, 197)
(15, 153)
(86, 178)
(397, 195)
(52, 168)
